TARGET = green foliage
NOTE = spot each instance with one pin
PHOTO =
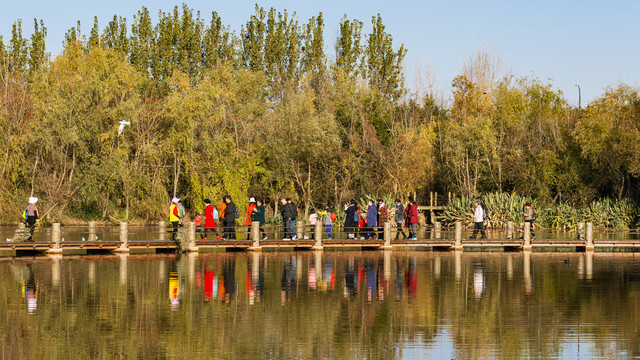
(502, 208)
(267, 113)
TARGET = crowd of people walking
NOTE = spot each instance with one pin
(367, 223)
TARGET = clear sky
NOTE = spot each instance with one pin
(591, 43)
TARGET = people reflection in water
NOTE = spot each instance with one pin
(478, 281)
(174, 290)
(350, 278)
(372, 279)
(399, 282)
(411, 278)
(329, 277)
(31, 292)
(210, 283)
(228, 280)
(312, 277)
(289, 284)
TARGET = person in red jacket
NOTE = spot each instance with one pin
(412, 218)
(209, 221)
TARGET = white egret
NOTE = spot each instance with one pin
(122, 125)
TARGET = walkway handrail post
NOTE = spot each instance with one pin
(162, 229)
(387, 236)
(509, 229)
(526, 244)
(255, 236)
(589, 243)
(580, 231)
(318, 237)
(124, 239)
(191, 233)
(55, 239)
(458, 238)
(438, 230)
(92, 231)
(300, 229)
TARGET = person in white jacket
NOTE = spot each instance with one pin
(479, 214)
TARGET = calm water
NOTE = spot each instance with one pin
(335, 305)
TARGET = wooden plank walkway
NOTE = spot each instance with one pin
(97, 246)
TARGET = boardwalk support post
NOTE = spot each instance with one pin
(438, 230)
(510, 230)
(55, 239)
(255, 237)
(124, 239)
(162, 230)
(92, 231)
(589, 247)
(526, 245)
(191, 233)
(318, 238)
(387, 236)
(300, 229)
(458, 244)
(580, 231)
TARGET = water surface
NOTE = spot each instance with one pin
(331, 305)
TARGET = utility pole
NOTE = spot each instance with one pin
(579, 96)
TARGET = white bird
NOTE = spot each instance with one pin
(122, 125)
(83, 238)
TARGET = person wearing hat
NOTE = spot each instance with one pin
(251, 210)
(175, 216)
(32, 216)
(209, 219)
(479, 213)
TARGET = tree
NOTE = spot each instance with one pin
(38, 57)
(348, 48)
(115, 35)
(384, 65)
(142, 45)
(313, 60)
(218, 44)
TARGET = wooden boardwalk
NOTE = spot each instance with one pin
(12, 249)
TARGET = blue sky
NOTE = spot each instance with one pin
(591, 43)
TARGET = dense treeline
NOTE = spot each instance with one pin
(267, 112)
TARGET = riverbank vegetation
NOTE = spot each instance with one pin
(275, 109)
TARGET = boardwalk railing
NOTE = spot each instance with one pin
(311, 237)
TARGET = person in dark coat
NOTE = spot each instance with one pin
(286, 217)
(372, 219)
(230, 219)
(351, 218)
(399, 217)
(260, 216)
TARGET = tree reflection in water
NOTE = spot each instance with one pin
(285, 305)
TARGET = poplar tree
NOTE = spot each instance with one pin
(115, 35)
(38, 57)
(18, 50)
(217, 44)
(383, 64)
(94, 35)
(313, 57)
(142, 42)
(252, 40)
(348, 48)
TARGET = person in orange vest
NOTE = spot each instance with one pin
(175, 216)
(221, 212)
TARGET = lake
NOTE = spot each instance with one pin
(322, 305)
